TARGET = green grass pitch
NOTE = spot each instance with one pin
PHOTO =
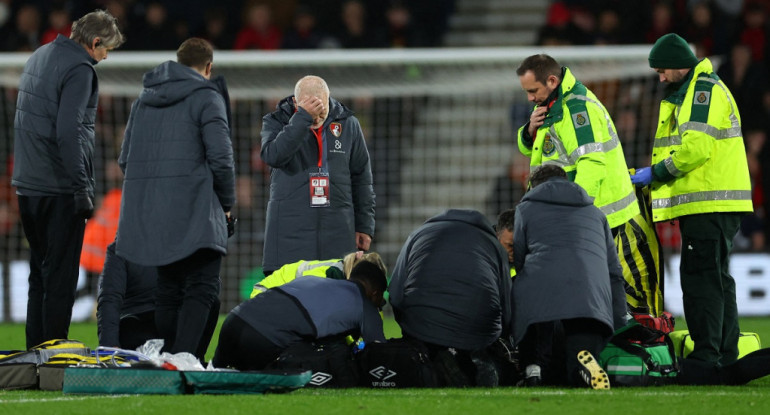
(753, 398)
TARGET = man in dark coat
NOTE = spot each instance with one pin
(259, 329)
(321, 194)
(178, 190)
(53, 165)
(125, 311)
(451, 284)
(567, 270)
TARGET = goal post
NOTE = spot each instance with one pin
(439, 124)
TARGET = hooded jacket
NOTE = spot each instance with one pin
(451, 283)
(295, 231)
(177, 158)
(565, 258)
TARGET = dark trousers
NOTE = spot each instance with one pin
(55, 236)
(707, 286)
(187, 290)
(536, 347)
(242, 347)
(135, 330)
(582, 334)
(697, 372)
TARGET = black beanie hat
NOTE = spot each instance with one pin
(671, 52)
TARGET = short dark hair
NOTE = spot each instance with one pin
(195, 53)
(370, 275)
(545, 172)
(505, 221)
(542, 66)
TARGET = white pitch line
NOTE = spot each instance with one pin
(72, 398)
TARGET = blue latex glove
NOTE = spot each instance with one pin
(642, 176)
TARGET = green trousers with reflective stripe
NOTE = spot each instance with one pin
(640, 256)
(708, 288)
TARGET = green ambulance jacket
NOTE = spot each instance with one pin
(579, 135)
(699, 159)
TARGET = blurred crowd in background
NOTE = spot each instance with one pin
(735, 32)
(236, 24)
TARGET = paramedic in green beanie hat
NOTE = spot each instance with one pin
(699, 175)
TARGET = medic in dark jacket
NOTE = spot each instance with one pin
(259, 329)
(451, 283)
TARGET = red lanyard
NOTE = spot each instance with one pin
(318, 132)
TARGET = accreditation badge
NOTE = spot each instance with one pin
(319, 190)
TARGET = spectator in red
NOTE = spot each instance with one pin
(259, 32)
(556, 26)
(59, 24)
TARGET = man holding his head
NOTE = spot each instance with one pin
(53, 165)
(321, 194)
(700, 176)
(178, 190)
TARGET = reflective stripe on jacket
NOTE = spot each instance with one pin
(290, 272)
(698, 155)
(579, 135)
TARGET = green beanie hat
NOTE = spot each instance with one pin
(672, 52)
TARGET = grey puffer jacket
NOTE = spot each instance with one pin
(178, 163)
(53, 128)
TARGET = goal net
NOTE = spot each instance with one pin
(440, 126)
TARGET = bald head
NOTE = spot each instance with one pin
(309, 89)
(311, 85)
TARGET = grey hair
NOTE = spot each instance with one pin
(98, 23)
(311, 85)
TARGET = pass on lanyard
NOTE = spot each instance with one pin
(319, 182)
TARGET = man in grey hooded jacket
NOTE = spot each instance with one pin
(567, 269)
(178, 190)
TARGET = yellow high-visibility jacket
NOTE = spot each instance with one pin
(579, 135)
(699, 159)
(330, 268)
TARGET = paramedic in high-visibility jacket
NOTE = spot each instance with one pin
(700, 176)
(570, 128)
